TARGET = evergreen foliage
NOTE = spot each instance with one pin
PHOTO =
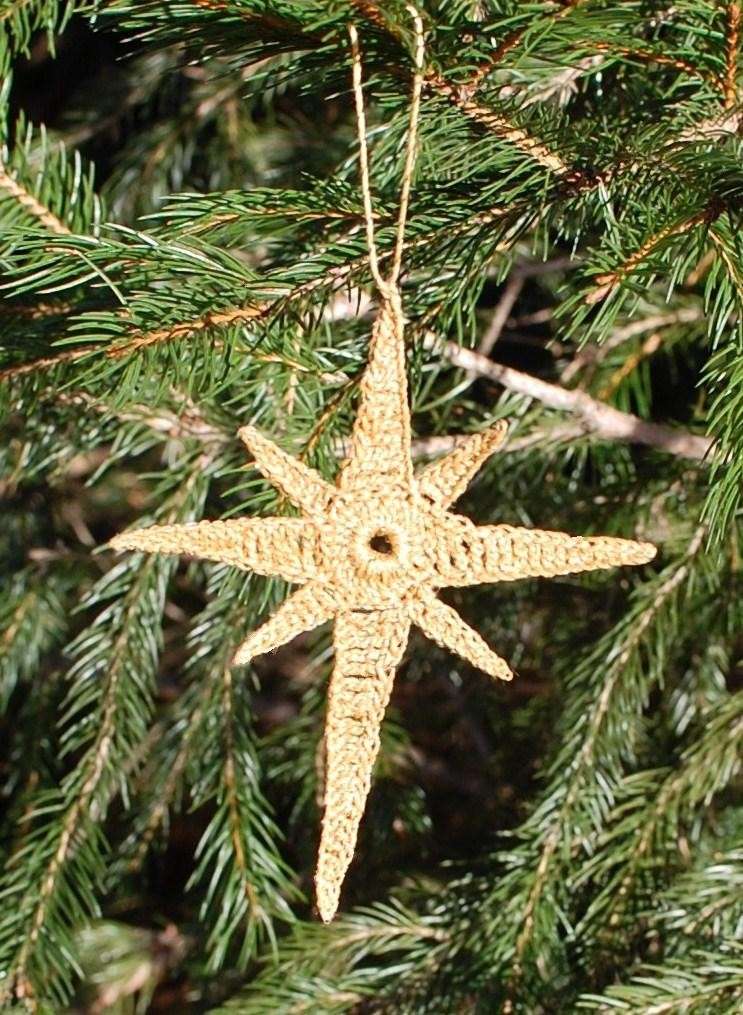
(182, 252)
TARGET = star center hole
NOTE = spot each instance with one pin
(382, 544)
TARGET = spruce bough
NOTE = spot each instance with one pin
(573, 220)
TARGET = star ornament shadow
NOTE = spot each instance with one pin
(370, 553)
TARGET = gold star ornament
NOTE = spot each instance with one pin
(370, 553)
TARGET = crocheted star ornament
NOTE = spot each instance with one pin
(370, 553)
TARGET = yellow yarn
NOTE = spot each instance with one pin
(370, 553)
(371, 550)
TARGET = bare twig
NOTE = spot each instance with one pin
(502, 312)
(700, 269)
(718, 127)
(592, 354)
(648, 348)
(533, 269)
(442, 444)
(188, 423)
(603, 420)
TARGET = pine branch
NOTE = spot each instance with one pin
(592, 354)
(511, 42)
(563, 133)
(30, 204)
(505, 129)
(606, 284)
(705, 903)
(162, 778)
(555, 824)
(247, 886)
(326, 969)
(50, 884)
(489, 119)
(21, 19)
(699, 983)
(730, 83)
(32, 621)
(263, 19)
(649, 347)
(705, 769)
(654, 57)
(188, 423)
(333, 279)
(44, 186)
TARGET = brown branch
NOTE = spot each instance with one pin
(460, 96)
(44, 363)
(30, 204)
(500, 125)
(335, 277)
(596, 417)
(608, 282)
(37, 311)
(219, 319)
(648, 348)
(731, 62)
(650, 56)
(511, 42)
(371, 12)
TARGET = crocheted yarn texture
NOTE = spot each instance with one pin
(369, 553)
